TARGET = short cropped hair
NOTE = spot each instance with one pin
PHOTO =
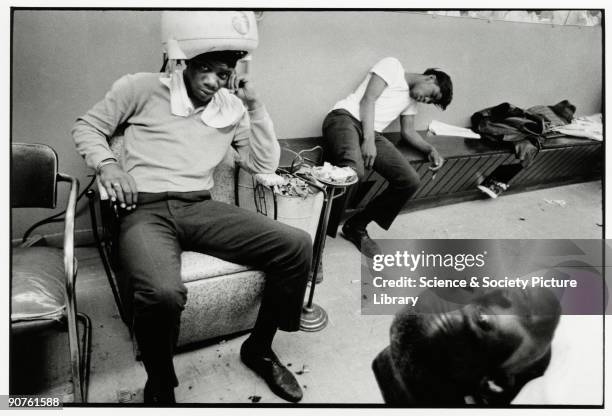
(445, 84)
(230, 58)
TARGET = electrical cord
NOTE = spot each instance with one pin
(299, 158)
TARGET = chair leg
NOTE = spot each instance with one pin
(75, 355)
(85, 353)
(110, 275)
(102, 251)
(80, 357)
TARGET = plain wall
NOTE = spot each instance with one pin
(64, 61)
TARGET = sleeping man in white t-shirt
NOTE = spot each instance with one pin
(353, 138)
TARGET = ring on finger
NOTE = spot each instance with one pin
(116, 184)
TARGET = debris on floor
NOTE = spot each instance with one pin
(125, 396)
(254, 399)
(355, 281)
(304, 370)
(559, 202)
(522, 218)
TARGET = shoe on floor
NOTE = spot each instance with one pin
(267, 365)
(492, 188)
(361, 239)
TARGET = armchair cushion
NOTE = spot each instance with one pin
(197, 266)
(220, 305)
(37, 284)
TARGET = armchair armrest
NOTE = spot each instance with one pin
(71, 303)
(69, 261)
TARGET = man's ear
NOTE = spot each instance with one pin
(432, 79)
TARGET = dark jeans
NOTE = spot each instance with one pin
(165, 224)
(343, 137)
(504, 173)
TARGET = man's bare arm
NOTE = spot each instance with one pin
(412, 137)
(375, 88)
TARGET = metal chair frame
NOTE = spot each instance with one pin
(80, 360)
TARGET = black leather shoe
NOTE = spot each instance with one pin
(280, 380)
(158, 396)
(361, 239)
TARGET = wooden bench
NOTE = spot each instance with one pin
(561, 161)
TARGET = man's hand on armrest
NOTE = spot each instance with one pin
(118, 185)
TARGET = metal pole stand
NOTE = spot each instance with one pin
(314, 318)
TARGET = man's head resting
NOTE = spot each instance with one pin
(501, 335)
(445, 85)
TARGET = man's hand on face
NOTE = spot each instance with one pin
(436, 160)
(119, 185)
(368, 151)
(243, 87)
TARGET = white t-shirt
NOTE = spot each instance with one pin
(394, 101)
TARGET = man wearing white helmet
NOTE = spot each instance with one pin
(178, 127)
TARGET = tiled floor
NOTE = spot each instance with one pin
(333, 365)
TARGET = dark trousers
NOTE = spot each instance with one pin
(504, 173)
(343, 137)
(150, 244)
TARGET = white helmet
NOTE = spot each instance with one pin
(186, 34)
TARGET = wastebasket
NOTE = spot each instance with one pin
(302, 212)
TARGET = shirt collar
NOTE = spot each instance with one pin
(223, 110)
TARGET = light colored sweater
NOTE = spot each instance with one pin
(164, 152)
